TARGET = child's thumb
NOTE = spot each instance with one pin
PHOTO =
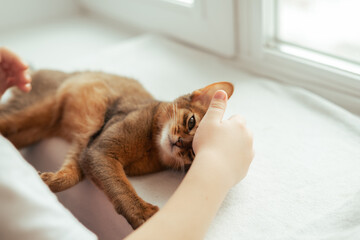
(217, 106)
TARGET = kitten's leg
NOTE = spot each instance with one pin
(108, 174)
(68, 175)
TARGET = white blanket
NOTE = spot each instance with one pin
(304, 182)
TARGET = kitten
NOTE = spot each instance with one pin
(115, 127)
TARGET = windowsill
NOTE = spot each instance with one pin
(315, 57)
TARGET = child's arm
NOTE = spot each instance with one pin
(223, 155)
(13, 72)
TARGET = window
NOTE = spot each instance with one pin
(182, 2)
(320, 27)
(313, 44)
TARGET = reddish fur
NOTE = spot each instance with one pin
(74, 106)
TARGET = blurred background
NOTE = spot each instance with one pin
(50, 33)
(315, 43)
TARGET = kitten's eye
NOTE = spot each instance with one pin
(191, 123)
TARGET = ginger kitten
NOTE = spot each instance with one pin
(115, 127)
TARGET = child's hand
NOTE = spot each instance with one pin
(13, 72)
(226, 144)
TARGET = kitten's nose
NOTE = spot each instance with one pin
(179, 143)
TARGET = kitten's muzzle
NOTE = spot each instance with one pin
(179, 143)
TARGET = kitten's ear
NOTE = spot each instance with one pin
(205, 94)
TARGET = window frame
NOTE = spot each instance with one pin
(257, 54)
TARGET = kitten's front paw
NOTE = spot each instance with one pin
(138, 218)
(46, 177)
(49, 179)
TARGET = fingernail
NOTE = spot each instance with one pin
(220, 95)
(28, 87)
(27, 76)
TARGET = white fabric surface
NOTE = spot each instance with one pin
(304, 182)
(28, 209)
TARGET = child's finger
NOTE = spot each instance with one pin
(24, 87)
(23, 81)
(217, 106)
(24, 77)
(11, 58)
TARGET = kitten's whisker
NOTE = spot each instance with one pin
(182, 166)
(176, 111)
(168, 112)
(174, 117)
(177, 164)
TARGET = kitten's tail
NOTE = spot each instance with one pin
(28, 117)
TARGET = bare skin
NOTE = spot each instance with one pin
(13, 72)
(224, 151)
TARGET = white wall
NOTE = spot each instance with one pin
(207, 24)
(15, 13)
